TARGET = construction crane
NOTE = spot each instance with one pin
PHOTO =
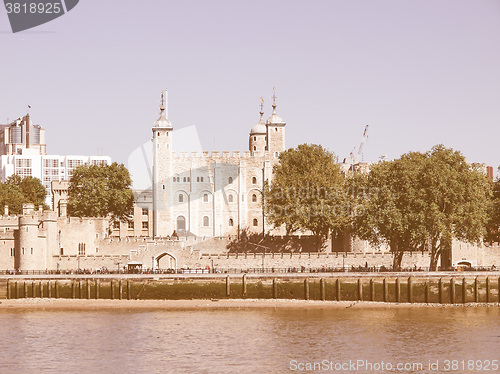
(360, 150)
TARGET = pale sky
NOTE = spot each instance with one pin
(419, 73)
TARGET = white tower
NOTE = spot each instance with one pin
(162, 172)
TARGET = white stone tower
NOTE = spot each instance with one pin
(162, 172)
(258, 134)
(275, 131)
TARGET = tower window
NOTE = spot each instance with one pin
(145, 225)
(230, 180)
(184, 179)
(276, 129)
(81, 249)
(181, 198)
(255, 222)
(144, 211)
(254, 148)
(205, 198)
(230, 198)
(254, 180)
(231, 222)
(163, 186)
(254, 198)
(206, 221)
(254, 138)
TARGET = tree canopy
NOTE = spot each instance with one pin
(17, 191)
(424, 201)
(307, 193)
(31, 187)
(101, 190)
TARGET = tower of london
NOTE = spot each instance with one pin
(213, 194)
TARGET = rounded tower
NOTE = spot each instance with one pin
(29, 253)
(258, 135)
(162, 171)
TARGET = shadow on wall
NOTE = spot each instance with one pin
(254, 243)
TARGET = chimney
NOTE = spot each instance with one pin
(28, 208)
(489, 172)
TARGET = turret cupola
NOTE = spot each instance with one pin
(258, 134)
(163, 122)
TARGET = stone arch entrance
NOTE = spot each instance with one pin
(168, 261)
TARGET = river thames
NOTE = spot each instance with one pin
(263, 340)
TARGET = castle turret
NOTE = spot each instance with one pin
(30, 252)
(162, 172)
(275, 131)
(258, 134)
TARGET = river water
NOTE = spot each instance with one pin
(251, 341)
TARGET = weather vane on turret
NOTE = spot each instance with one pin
(162, 105)
(274, 97)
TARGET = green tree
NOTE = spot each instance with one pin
(390, 215)
(101, 190)
(12, 196)
(424, 201)
(32, 189)
(307, 193)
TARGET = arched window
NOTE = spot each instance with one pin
(206, 221)
(231, 222)
(230, 198)
(181, 198)
(181, 223)
(255, 222)
(230, 180)
(254, 198)
(254, 180)
(254, 138)
(205, 198)
(254, 148)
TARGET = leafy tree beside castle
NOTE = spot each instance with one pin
(307, 193)
(32, 189)
(424, 201)
(17, 191)
(100, 191)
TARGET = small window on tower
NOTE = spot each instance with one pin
(181, 198)
(230, 180)
(254, 138)
(254, 198)
(230, 198)
(255, 222)
(254, 148)
(254, 180)
(205, 198)
(231, 222)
